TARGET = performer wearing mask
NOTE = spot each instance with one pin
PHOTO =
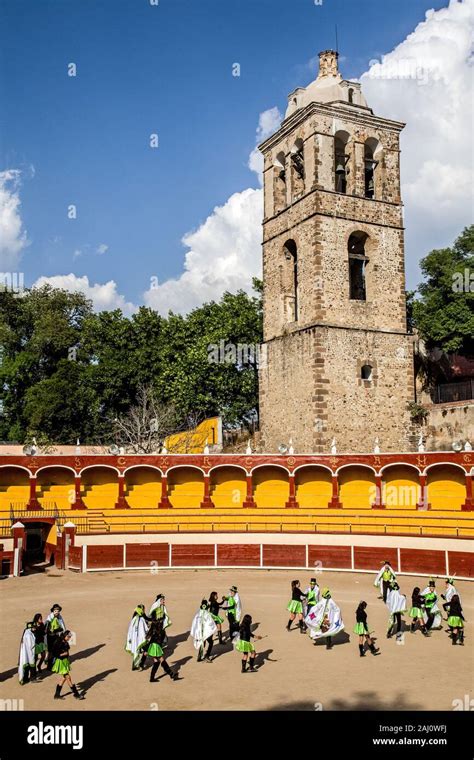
(362, 630)
(152, 647)
(40, 640)
(203, 629)
(136, 635)
(384, 578)
(244, 645)
(324, 619)
(312, 596)
(397, 605)
(234, 610)
(449, 592)
(214, 608)
(295, 606)
(416, 612)
(62, 665)
(26, 660)
(431, 615)
(55, 626)
(456, 620)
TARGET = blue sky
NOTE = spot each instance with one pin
(167, 69)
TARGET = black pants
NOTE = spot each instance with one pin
(430, 620)
(385, 588)
(233, 625)
(397, 617)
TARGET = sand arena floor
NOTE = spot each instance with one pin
(293, 674)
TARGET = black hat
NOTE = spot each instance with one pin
(313, 580)
(56, 607)
(204, 604)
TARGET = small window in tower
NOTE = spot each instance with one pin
(371, 150)
(366, 372)
(297, 157)
(290, 281)
(350, 95)
(357, 266)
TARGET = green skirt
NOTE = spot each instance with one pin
(154, 650)
(455, 622)
(217, 618)
(359, 628)
(416, 612)
(40, 648)
(295, 607)
(244, 646)
(61, 665)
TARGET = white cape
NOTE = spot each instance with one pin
(396, 602)
(27, 652)
(435, 609)
(378, 581)
(202, 627)
(136, 635)
(166, 617)
(324, 608)
(238, 608)
(450, 592)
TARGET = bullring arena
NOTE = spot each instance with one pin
(100, 534)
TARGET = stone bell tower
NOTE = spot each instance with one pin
(339, 361)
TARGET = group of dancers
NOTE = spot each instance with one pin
(424, 611)
(47, 644)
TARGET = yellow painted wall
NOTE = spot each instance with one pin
(356, 488)
(313, 487)
(14, 488)
(400, 488)
(185, 487)
(99, 488)
(270, 487)
(228, 487)
(143, 487)
(446, 487)
(193, 441)
(55, 488)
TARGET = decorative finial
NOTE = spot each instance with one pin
(164, 450)
(421, 445)
(291, 449)
(206, 448)
(376, 446)
(333, 446)
(467, 446)
(248, 450)
(78, 447)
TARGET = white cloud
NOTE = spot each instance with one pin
(104, 297)
(77, 253)
(225, 253)
(426, 81)
(13, 238)
(268, 123)
(102, 248)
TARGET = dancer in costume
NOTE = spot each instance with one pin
(295, 606)
(312, 596)
(362, 630)
(449, 592)
(384, 578)
(324, 619)
(397, 605)
(416, 612)
(158, 611)
(233, 608)
(136, 635)
(214, 608)
(152, 647)
(55, 626)
(40, 641)
(431, 611)
(26, 660)
(203, 629)
(62, 665)
(244, 645)
(456, 620)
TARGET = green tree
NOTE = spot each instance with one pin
(444, 311)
